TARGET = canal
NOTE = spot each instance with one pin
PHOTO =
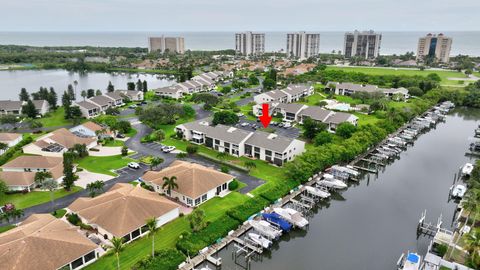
(369, 225)
(12, 81)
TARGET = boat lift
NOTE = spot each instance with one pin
(428, 229)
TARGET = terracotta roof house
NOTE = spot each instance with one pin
(123, 210)
(19, 174)
(57, 142)
(196, 183)
(45, 242)
(10, 139)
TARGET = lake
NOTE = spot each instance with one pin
(368, 226)
(12, 81)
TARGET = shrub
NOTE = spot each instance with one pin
(233, 185)
(73, 219)
(124, 151)
(181, 155)
(244, 211)
(224, 169)
(274, 192)
(165, 259)
(192, 149)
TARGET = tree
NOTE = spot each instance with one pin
(24, 96)
(51, 185)
(95, 187)
(29, 109)
(52, 99)
(75, 114)
(170, 183)
(110, 87)
(3, 146)
(269, 84)
(66, 103)
(226, 89)
(249, 164)
(472, 245)
(124, 151)
(90, 93)
(69, 175)
(3, 188)
(98, 92)
(145, 86)
(40, 177)
(225, 117)
(151, 224)
(83, 94)
(322, 138)
(75, 82)
(197, 220)
(139, 85)
(345, 130)
(71, 92)
(123, 126)
(253, 80)
(312, 127)
(117, 247)
(155, 162)
(80, 150)
(130, 86)
(192, 149)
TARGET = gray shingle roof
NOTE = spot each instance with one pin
(87, 105)
(269, 141)
(221, 132)
(10, 105)
(291, 107)
(101, 100)
(296, 89)
(276, 94)
(169, 89)
(338, 117)
(114, 95)
(316, 113)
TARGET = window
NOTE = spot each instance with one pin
(90, 256)
(189, 201)
(126, 238)
(136, 233)
(204, 197)
(224, 186)
(217, 141)
(197, 201)
(77, 263)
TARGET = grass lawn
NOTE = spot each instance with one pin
(444, 74)
(59, 213)
(167, 236)
(313, 99)
(6, 228)
(104, 165)
(365, 119)
(54, 119)
(114, 143)
(35, 197)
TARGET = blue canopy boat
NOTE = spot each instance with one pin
(275, 219)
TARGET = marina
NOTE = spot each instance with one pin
(315, 196)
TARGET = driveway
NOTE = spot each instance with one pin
(105, 151)
(85, 177)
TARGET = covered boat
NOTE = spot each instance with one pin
(278, 221)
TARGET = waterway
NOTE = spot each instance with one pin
(369, 225)
(12, 81)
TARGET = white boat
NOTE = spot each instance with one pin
(330, 182)
(292, 216)
(411, 262)
(317, 192)
(260, 240)
(467, 169)
(458, 191)
(266, 229)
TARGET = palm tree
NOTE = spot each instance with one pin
(470, 204)
(42, 176)
(75, 83)
(169, 183)
(117, 246)
(222, 155)
(155, 162)
(152, 227)
(250, 164)
(51, 185)
(472, 245)
(83, 94)
(95, 187)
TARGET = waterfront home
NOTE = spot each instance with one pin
(10, 139)
(239, 142)
(45, 242)
(347, 89)
(91, 129)
(291, 93)
(331, 118)
(102, 101)
(131, 94)
(116, 97)
(123, 210)
(88, 109)
(173, 91)
(19, 174)
(11, 107)
(57, 142)
(273, 148)
(196, 183)
(41, 106)
(207, 82)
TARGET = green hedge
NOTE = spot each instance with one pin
(12, 151)
(275, 192)
(247, 209)
(165, 259)
(192, 243)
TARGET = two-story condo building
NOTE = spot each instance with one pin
(291, 93)
(347, 89)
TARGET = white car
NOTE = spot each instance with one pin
(244, 124)
(168, 149)
(133, 165)
(287, 125)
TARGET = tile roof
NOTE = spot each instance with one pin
(8, 137)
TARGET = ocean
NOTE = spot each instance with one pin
(467, 43)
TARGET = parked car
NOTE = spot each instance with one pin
(273, 123)
(133, 165)
(120, 135)
(287, 125)
(281, 124)
(144, 103)
(244, 124)
(133, 106)
(168, 149)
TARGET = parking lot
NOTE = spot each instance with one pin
(132, 173)
(291, 132)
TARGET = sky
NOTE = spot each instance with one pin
(239, 15)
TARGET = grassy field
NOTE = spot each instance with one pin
(444, 74)
(313, 99)
(114, 143)
(35, 197)
(55, 119)
(103, 165)
(167, 236)
(6, 228)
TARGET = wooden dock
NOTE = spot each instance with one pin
(365, 169)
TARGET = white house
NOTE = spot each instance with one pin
(10, 139)
(131, 94)
(347, 89)
(10, 107)
(291, 93)
(123, 210)
(88, 109)
(196, 183)
(41, 106)
(173, 91)
(90, 129)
